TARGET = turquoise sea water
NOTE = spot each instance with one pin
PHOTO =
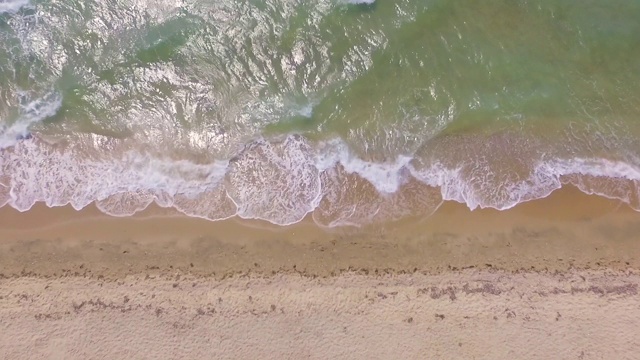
(352, 112)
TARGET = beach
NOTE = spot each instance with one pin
(553, 278)
(350, 179)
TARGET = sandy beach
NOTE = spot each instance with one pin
(556, 278)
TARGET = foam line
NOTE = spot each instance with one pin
(283, 181)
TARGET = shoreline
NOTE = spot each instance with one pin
(420, 192)
(568, 230)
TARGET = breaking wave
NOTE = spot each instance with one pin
(282, 181)
(12, 6)
(32, 112)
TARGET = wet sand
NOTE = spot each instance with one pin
(555, 278)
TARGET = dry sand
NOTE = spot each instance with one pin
(552, 279)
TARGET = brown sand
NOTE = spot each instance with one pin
(556, 278)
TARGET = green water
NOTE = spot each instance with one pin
(496, 101)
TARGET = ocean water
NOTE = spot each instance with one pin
(348, 111)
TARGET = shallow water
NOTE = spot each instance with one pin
(352, 111)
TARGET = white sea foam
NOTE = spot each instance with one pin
(306, 110)
(611, 179)
(32, 112)
(275, 182)
(545, 177)
(12, 6)
(120, 185)
(283, 181)
(368, 2)
(386, 177)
